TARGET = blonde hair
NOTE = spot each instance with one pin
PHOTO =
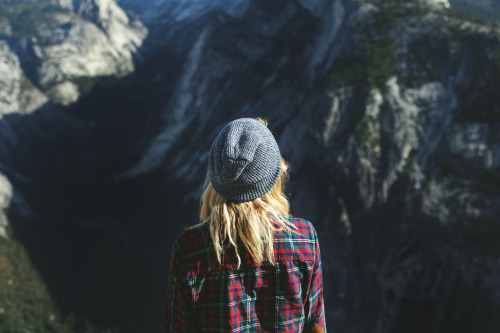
(253, 222)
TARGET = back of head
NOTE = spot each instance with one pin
(244, 197)
(244, 161)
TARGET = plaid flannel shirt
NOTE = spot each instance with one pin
(206, 296)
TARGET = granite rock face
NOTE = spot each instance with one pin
(69, 43)
(5, 198)
(370, 102)
(209, 68)
(17, 94)
(51, 54)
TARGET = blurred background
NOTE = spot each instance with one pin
(387, 110)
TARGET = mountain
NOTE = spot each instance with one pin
(387, 117)
(386, 111)
(51, 54)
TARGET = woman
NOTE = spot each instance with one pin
(247, 267)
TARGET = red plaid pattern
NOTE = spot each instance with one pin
(206, 296)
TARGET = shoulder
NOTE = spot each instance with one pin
(303, 227)
(192, 243)
(301, 242)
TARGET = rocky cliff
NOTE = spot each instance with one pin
(58, 49)
(386, 111)
(5, 198)
(51, 54)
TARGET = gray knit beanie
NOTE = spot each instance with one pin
(244, 161)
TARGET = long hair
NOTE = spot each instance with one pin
(252, 222)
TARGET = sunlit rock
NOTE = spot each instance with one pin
(438, 4)
(64, 93)
(5, 200)
(80, 39)
(79, 48)
(10, 80)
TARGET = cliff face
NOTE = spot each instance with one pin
(386, 111)
(400, 169)
(5, 198)
(281, 51)
(373, 105)
(61, 48)
(51, 54)
(16, 93)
